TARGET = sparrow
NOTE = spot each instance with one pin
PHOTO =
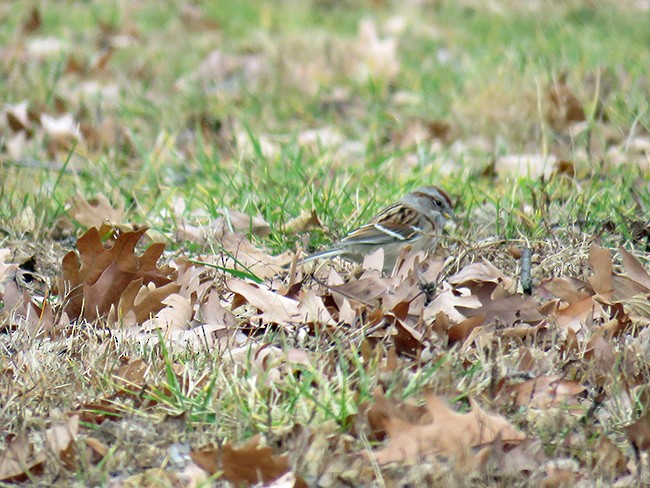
(416, 220)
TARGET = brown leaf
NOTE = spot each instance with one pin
(206, 458)
(97, 449)
(542, 392)
(94, 280)
(579, 315)
(151, 478)
(96, 413)
(634, 269)
(525, 457)
(280, 309)
(18, 117)
(194, 17)
(638, 432)
(505, 310)
(602, 354)
(37, 319)
(569, 289)
(449, 301)
(227, 70)
(235, 221)
(383, 409)
(131, 375)
(6, 269)
(60, 130)
(407, 340)
(376, 57)
(461, 331)
(176, 315)
(251, 463)
(600, 260)
(307, 220)
(477, 273)
(19, 461)
(559, 477)
(449, 434)
(139, 302)
(608, 458)
(528, 165)
(33, 23)
(96, 211)
(564, 106)
(61, 441)
(240, 253)
(363, 290)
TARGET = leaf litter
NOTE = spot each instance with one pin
(595, 324)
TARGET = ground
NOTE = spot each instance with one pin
(243, 134)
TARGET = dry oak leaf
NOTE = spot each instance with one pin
(564, 107)
(94, 280)
(60, 130)
(37, 319)
(235, 221)
(462, 330)
(449, 300)
(525, 457)
(579, 315)
(96, 413)
(175, 323)
(383, 409)
(279, 309)
(246, 465)
(632, 289)
(542, 392)
(151, 478)
(307, 220)
(18, 117)
(484, 272)
(6, 269)
(533, 166)
(570, 290)
(634, 270)
(131, 375)
(241, 253)
(61, 439)
(139, 302)
(450, 434)
(251, 463)
(177, 315)
(507, 311)
(639, 433)
(33, 22)
(96, 211)
(19, 460)
(600, 261)
(229, 221)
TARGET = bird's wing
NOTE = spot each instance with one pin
(381, 234)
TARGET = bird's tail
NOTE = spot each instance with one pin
(326, 254)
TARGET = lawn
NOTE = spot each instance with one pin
(164, 165)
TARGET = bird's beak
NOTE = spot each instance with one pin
(451, 222)
(449, 215)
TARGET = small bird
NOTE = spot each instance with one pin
(417, 219)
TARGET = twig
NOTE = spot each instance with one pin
(526, 278)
